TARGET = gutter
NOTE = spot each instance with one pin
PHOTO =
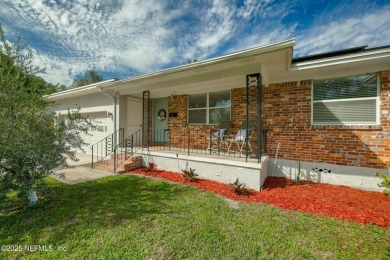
(228, 57)
(114, 97)
(348, 58)
(81, 89)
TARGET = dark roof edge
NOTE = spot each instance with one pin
(332, 54)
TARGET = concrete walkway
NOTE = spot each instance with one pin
(81, 172)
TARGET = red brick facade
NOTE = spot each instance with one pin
(286, 112)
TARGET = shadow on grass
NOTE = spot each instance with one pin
(86, 207)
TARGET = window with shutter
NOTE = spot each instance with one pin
(346, 101)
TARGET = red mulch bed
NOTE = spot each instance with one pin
(339, 202)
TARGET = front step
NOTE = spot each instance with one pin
(131, 163)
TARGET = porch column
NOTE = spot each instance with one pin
(251, 80)
(145, 119)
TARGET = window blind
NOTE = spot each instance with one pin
(351, 100)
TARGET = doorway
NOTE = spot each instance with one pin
(160, 119)
(134, 116)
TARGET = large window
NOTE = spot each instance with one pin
(346, 101)
(209, 108)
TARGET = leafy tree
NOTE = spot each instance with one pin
(89, 77)
(34, 142)
(189, 61)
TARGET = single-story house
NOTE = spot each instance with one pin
(324, 117)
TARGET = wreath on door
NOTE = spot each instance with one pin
(162, 114)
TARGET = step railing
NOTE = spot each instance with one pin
(105, 147)
(127, 147)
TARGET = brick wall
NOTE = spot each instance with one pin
(182, 134)
(287, 112)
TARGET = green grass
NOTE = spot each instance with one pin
(130, 217)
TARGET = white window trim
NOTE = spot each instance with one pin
(377, 98)
(207, 108)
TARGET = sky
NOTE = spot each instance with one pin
(125, 38)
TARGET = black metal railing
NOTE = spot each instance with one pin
(126, 148)
(105, 147)
(197, 141)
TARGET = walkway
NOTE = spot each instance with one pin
(81, 172)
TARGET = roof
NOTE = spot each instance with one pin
(330, 54)
(274, 61)
(199, 65)
(83, 90)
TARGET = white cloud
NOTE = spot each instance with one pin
(138, 36)
(86, 35)
(369, 28)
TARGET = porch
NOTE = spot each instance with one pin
(177, 115)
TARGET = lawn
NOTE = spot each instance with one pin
(132, 217)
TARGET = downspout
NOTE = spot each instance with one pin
(114, 97)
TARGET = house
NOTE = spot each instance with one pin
(325, 117)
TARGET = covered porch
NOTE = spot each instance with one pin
(181, 110)
(205, 115)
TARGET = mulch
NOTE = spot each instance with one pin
(339, 202)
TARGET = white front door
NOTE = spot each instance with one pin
(134, 116)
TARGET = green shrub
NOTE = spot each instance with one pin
(386, 181)
(190, 175)
(239, 188)
(151, 167)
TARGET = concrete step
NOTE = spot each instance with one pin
(129, 164)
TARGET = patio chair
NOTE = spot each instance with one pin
(218, 137)
(240, 138)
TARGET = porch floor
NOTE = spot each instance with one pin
(233, 156)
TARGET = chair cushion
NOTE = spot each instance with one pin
(240, 136)
(219, 133)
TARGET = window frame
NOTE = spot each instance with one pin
(207, 108)
(376, 98)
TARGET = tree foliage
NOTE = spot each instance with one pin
(34, 142)
(189, 61)
(89, 77)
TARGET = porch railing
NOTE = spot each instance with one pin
(127, 147)
(197, 141)
(105, 146)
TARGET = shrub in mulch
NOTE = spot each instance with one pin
(239, 188)
(189, 175)
(339, 202)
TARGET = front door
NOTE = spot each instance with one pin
(160, 119)
(134, 116)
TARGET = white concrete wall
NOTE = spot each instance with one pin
(221, 170)
(93, 106)
(88, 104)
(357, 177)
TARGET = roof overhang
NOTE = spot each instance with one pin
(80, 91)
(219, 73)
(274, 61)
(367, 61)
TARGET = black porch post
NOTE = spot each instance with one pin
(254, 78)
(247, 116)
(145, 119)
(259, 132)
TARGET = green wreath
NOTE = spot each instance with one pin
(162, 114)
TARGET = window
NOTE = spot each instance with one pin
(97, 128)
(346, 101)
(208, 108)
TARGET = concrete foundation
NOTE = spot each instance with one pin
(223, 170)
(357, 177)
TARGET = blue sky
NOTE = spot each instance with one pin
(124, 38)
